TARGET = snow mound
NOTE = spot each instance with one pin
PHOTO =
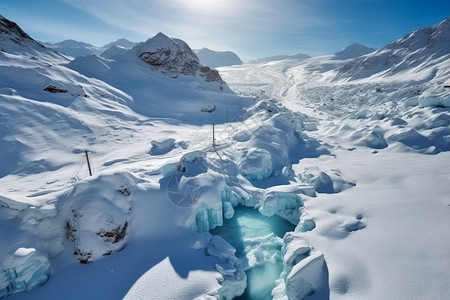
(274, 140)
(289, 206)
(95, 215)
(162, 146)
(414, 140)
(433, 98)
(256, 164)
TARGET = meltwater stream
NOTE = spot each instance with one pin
(258, 241)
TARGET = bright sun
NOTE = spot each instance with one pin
(206, 5)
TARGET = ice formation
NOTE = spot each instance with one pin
(24, 270)
(305, 271)
(286, 205)
(162, 146)
(256, 164)
(234, 278)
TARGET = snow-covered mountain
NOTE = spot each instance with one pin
(78, 49)
(421, 48)
(13, 40)
(354, 161)
(74, 48)
(123, 43)
(299, 56)
(215, 59)
(138, 72)
(353, 51)
(113, 51)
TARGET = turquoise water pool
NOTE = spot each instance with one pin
(258, 242)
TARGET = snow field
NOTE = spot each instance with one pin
(372, 220)
(353, 153)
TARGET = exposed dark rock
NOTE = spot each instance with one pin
(115, 235)
(11, 28)
(55, 90)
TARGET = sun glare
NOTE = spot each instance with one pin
(207, 5)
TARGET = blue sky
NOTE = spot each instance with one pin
(251, 28)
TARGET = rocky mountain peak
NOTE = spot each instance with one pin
(171, 56)
(8, 27)
(11, 32)
(174, 57)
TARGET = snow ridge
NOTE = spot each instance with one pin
(422, 46)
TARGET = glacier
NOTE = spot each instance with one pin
(344, 151)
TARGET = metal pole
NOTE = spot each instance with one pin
(88, 163)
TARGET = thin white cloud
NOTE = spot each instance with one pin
(48, 30)
(226, 25)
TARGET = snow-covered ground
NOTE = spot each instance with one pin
(353, 152)
(386, 237)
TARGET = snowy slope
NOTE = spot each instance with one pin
(215, 59)
(420, 49)
(14, 40)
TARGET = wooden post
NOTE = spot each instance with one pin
(88, 163)
(214, 137)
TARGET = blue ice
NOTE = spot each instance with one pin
(258, 242)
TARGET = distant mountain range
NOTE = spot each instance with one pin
(77, 48)
(208, 57)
